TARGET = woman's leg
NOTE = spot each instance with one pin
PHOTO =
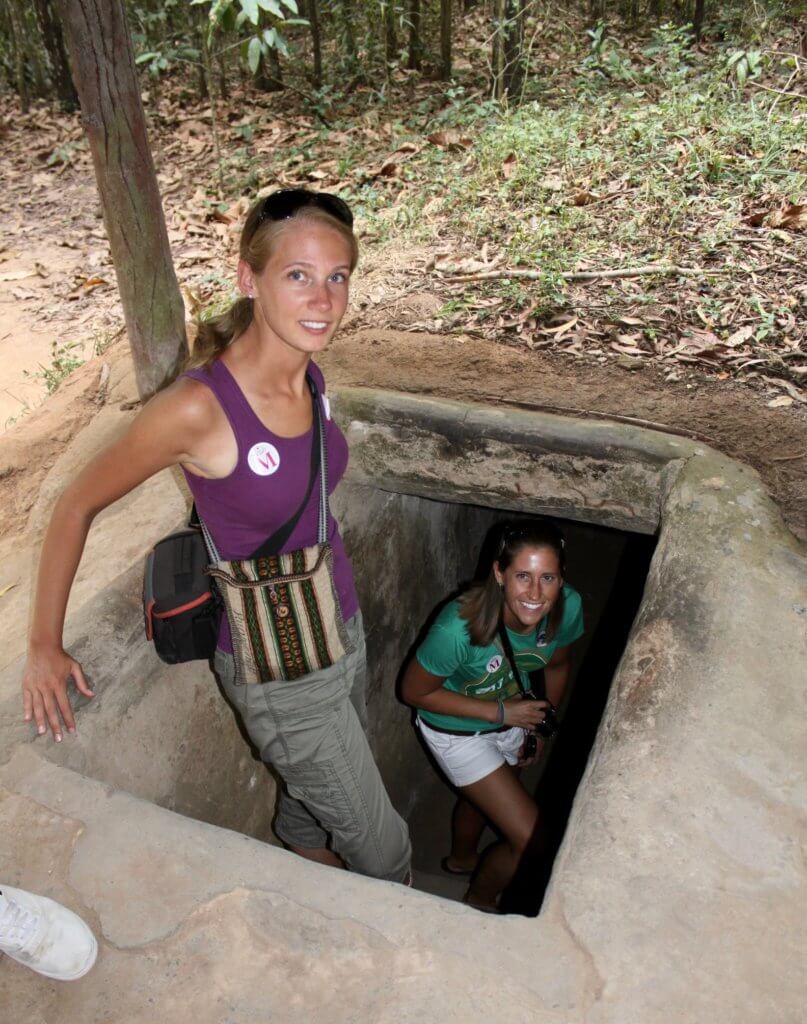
(467, 826)
(506, 804)
(320, 855)
(311, 731)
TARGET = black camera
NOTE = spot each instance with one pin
(550, 724)
(530, 747)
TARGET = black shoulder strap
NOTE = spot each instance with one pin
(273, 544)
(537, 684)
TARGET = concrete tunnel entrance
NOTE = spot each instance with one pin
(410, 554)
(609, 569)
(167, 735)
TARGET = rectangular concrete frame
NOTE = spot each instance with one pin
(678, 893)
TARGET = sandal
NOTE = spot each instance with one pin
(480, 907)
(462, 872)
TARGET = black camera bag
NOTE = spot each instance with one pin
(181, 606)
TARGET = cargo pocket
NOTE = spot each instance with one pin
(324, 795)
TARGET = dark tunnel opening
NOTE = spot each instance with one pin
(608, 568)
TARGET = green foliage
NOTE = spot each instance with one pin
(607, 57)
(64, 360)
(744, 64)
(234, 15)
(358, 44)
(681, 143)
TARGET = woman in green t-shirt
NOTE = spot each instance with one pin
(472, 710)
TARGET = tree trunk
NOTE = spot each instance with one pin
(312, 11)
(390, 35)
(697, 18)
(415, 45)
(101, 54)
(224, 90)
(507, 58)
(18, 52)
(54, 44)
(445, 40)
(514, 47)
(35, 55)
(269, 78)
(346, 17)
(497, 54)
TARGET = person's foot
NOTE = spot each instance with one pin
(456, 866)
(44, 935)
(486, 906)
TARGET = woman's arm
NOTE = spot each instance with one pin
(423, 690)
(167, 431)
(556, 674)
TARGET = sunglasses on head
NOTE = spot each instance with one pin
(512, 533)
(285, 203)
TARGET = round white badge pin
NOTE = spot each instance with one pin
(495, 663)
(263, 458)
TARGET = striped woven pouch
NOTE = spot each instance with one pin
(284, 614)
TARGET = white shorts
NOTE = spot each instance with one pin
(467, 759)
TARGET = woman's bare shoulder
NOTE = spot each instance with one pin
(187, 404)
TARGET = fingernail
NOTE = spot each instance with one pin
(41, 729)
(72, 731)
(58, 737)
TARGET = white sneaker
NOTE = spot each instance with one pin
(44, 935)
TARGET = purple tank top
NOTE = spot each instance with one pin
(268, 485)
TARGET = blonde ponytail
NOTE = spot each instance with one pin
(215, 335)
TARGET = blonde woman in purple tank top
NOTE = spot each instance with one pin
(239, 423)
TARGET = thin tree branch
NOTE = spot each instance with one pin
(781, 92)
(587, 275)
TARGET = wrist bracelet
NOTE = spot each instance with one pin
(500, 715)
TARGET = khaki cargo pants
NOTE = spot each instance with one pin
(313, 731)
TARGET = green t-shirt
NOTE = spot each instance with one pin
(484, 672)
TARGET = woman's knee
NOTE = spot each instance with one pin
(383, 852)
(520, 833)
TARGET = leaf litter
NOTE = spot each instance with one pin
(440, 192)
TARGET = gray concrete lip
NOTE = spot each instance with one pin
(679, 890)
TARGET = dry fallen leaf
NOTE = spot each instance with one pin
(793, 217)
(740, 336)
(782, 402)
(509, 166)
(17, 275)
(451, 140)
(558, 331)
(583, 198)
